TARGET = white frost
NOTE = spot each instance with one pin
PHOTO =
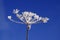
(15, 11)
(9, 17)
(29, 17)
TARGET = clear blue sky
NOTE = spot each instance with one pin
(13, 31)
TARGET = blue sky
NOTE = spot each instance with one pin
(41, 31)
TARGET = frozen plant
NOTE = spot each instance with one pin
(28, 18)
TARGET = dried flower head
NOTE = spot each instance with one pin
(29, 17)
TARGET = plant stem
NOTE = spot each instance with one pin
(27, 33)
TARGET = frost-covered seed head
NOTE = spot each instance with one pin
(15, 11)
(9, 17)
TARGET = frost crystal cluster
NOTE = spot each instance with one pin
(29, 17)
